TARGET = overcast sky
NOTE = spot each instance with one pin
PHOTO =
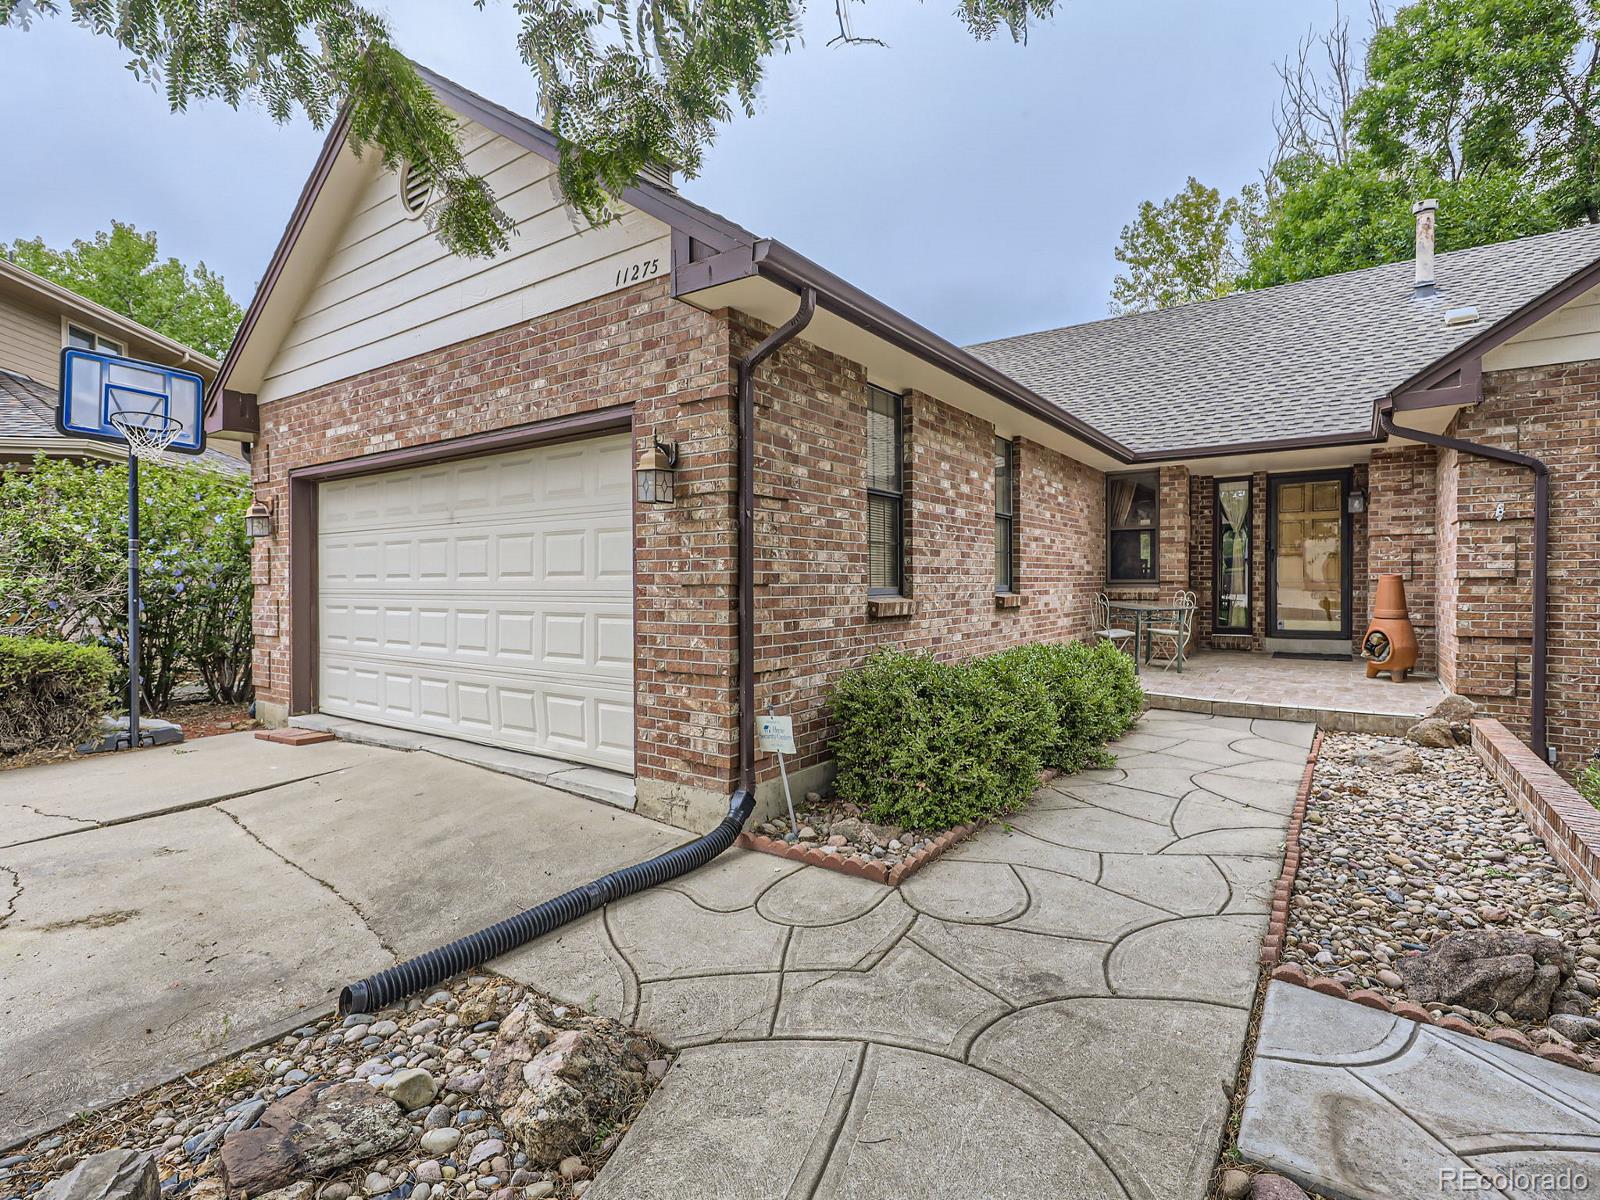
(979, 188)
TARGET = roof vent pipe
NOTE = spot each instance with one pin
(1423, 210)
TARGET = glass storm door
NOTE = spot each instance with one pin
(1309, 556)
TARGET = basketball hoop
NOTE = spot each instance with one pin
(148, 434)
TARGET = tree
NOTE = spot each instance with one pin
(625, 85)
(1476, 88)
(1327, 217)
(120, 270)
(1181, 250)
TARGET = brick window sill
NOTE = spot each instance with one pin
(1008, 599)
(879, 607)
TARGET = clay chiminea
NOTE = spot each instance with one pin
(1390, 644)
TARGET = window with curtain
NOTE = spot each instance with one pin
(1233, 556)
(1004, 514)
(885, 494)
(1133, 523)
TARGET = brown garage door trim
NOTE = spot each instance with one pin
(303, 483)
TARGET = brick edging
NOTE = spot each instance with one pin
(1566, 823)
(875, 871)
(1293, 973)
(1272, 944)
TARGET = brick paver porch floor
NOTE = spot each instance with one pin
(1335, 695)
(1055, 1008)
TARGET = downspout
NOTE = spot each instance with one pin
(747, 539)
(434, 966)
(1541, 549)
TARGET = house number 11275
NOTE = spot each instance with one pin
(639, 270)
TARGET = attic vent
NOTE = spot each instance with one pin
(416, 186)
(1465, 315)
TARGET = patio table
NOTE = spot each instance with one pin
(1144, 613)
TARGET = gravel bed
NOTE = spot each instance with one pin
(448, 1033)
(1404, 845)
(838, 828)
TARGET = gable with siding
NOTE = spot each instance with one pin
(389, 290)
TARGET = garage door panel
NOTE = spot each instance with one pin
(489, 599)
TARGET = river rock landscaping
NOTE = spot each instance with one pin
(482, 1090)
(837, 829)
(1420, 880)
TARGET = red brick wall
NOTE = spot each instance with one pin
(1447, 480)
(1402, 519)
(674, 364)
(638, 346)
(811, 599)
(1552, 413)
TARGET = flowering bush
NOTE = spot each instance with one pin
(63, 569)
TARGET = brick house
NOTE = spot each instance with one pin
(464, 545)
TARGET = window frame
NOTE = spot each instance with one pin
(102, 344)
(1006, 448)
(1154, 530)
(1249, 626)
(898, 495)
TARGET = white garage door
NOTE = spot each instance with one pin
(488, 599)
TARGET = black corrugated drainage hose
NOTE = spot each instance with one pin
(435, 966)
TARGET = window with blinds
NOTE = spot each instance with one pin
(885, 494)
(1004, 515)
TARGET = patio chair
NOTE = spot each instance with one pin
(1172, 635)
(1121, 638)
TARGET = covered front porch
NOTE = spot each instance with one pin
(1335, 694)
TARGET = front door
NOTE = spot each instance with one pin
(1308, 556)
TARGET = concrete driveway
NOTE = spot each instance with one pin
(162, 909)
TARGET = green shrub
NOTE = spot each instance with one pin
(1588, 781)
(928, 745)
(63, 569)
(52, 694)
(1095, 693)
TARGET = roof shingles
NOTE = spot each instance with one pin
(1304, 359)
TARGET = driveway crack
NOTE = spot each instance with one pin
(349, 903)
(15, 894)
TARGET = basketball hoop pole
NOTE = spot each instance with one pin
(133, 600)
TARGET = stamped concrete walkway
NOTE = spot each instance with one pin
(1371, 1106)
(1056, 1008)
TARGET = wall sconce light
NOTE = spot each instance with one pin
(653, 476)
(258, 521)
(1356, 501)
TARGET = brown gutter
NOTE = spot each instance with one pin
(747, 531)
(1541, 550)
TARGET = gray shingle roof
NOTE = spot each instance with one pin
(1303, 359)
(28, 410)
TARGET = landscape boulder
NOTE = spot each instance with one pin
(109, 1175)
(1488, 971)
(312, 1131)
(1275, 1187)
(554, 1088)
(1433, 732)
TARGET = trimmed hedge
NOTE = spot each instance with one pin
(1095, 692)
(52, 694)
(1588, 781)
(929, 744)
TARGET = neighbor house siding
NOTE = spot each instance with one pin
(391, 291)
(1486, 571)
(30, 341)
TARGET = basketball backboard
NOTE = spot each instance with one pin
(98, 388)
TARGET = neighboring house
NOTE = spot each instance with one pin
(448, 446)
(38, 319)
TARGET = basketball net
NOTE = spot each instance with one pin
(147, 434)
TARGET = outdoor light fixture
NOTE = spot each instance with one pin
(1356, 501)
(653, 475)
(258, 521)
